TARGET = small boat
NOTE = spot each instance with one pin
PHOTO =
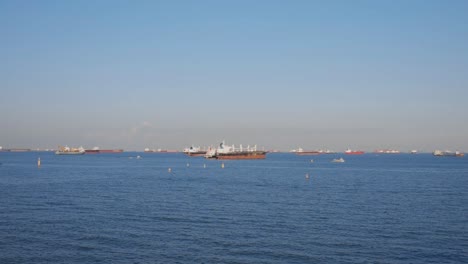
(340, 160)
(70, 151)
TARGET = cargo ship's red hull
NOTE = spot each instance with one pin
(241, 155)
(354, 152)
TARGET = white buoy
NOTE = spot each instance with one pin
(311, 161)
(307, 176)
(222, 165)
(169, 170)
(39, 162)
(204, 165)
(188, 165)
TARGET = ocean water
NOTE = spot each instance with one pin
(115, 208)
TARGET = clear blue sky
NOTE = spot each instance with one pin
(280, 74)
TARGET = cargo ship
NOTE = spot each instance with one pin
(448, 153)
(147, 150)
(354, 152)
(15, 150)
(70, 151)
(387, 151)
(300, 151)
(224, 152)
(194, 151)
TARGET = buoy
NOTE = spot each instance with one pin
(311, 161)
(169, 170)
(39, 162)
(204, 165)
(222, 165)
(307, 176)
(188, 165)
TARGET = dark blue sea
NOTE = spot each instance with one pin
(116, 208)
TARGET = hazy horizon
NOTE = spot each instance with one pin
(282, 75)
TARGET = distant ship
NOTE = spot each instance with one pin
(448, 153)
(300, 151)
(70, 151)
(387, 151)
(15, 150)
(194, 151)
(147, 150)
(224, 152)
(151, 150)
(354, 152)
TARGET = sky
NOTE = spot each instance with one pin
(280, 74)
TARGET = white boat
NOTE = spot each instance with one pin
(340, 160)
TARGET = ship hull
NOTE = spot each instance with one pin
(19, 150)
(355, 153)
(69, 153)
(241, 155)
(449, 154)
(196, 154)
